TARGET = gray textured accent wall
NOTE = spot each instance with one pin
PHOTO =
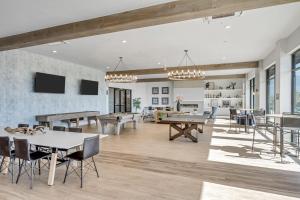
(19, 103)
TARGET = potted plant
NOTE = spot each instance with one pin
(136, 102)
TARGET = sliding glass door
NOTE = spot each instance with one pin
(270, 79)
(296, 82)
(252, 93)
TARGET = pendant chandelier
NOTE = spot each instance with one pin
(190, 73)
(120, 78)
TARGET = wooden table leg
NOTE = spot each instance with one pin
(5, 165)
(188, 132)
(51, 175)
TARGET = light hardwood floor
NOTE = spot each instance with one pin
(144, 164)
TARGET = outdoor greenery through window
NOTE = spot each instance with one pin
(252, 93)
(296, 82)
(270, 78)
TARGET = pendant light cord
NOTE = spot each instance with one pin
(119, 63)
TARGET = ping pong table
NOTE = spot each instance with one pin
(184, 124)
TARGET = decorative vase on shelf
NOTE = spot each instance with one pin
(207, 85)
(178, 101)
(178, 106)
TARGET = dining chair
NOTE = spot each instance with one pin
(23, 125)
(61, 152)
(213, 112)
(35, 125)
(23, 152)
(90, 149)
(59, 128)
(7, 152)
(75, 129)
(259, 121)
(232, 116)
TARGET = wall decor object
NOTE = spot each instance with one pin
(88, 87)
(49, 83)
(155, 90)
(165, 100)
(165, 90)
(154, 100)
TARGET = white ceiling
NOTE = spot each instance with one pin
(19, 16)
(251, 36)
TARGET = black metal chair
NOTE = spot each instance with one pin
(59, 128)
(74, 129)
(90, 149)
(258, 121)
(61, 151)
(22, 152)
(7, 152)
(23, 125)
(213, 112)
(232, 116)
(36, 125)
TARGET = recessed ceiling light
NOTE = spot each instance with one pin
(158, 63)
(124, 41)
(227, 27)
(107, 67)
(54, 51)
(224, 58)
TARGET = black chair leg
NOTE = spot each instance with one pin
(39, 165)
(67, 171)
(20, 170)
(253, 139)
(95, 167)
(31, 173)
(81, 177)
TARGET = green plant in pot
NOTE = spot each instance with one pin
(136, 102)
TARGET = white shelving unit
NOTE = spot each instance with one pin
(217, 94)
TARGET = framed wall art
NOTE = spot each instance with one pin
(165, 90)
(155, 101)
(155, 90)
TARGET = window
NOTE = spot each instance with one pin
(296, 82)
(270, 79)
(252, 93)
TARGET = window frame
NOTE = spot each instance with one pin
(268, 78)
(252, 93)
(293, 74)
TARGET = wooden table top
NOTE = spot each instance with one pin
(190, 119)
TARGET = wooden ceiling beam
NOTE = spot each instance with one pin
(206, 78)
(149, 16)
(212, 67)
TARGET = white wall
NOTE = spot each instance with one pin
(19, 103)
(144, 91)
(189, 90)
(281, 57)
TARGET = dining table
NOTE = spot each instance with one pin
(53, 140)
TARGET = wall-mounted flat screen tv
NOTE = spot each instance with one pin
(49, 83)
(89, 87)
